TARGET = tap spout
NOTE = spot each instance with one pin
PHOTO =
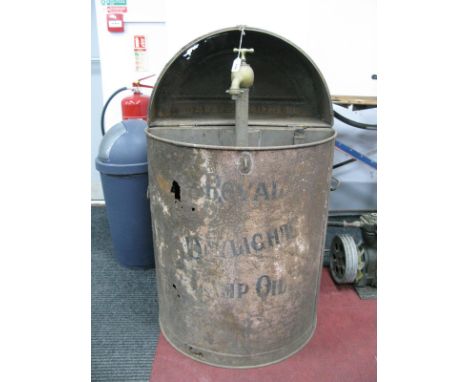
(235, 84)
(242, 77)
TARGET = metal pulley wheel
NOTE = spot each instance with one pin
(344, 260)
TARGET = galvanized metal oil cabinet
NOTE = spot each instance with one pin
(239, 229)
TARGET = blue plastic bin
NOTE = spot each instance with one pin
(122, 162)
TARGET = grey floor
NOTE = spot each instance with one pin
(124, 318)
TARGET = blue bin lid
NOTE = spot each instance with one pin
(123, 149)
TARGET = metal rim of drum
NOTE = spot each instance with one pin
(344, 259)
(151, 133)
(196, 356)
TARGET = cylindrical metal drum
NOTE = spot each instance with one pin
(239, 231)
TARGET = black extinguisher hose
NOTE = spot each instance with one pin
(103, 113)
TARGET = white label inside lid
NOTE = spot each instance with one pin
(236, 65)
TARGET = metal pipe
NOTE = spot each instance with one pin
(242, 77)
(355, 154)
(242, 118)
(344, 223)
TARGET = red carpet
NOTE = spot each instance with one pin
(343, 348)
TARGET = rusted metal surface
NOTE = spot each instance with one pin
(239, 238)
(239, 231)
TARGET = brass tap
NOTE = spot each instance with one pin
(242, 78)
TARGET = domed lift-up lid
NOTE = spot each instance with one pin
(288, 90)
(123, 149)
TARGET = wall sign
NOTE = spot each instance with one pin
(115, 6)
(115, 22)
(116, 9)
(139, 48)
(118, 3)
(139, 43)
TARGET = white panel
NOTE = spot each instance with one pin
(339, 35)
(96, 107)
(145, 11)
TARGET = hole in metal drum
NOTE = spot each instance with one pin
(175, 189)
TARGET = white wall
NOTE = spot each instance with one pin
(96, 105)
(339, 35)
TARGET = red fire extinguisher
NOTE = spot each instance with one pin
(134, 106)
